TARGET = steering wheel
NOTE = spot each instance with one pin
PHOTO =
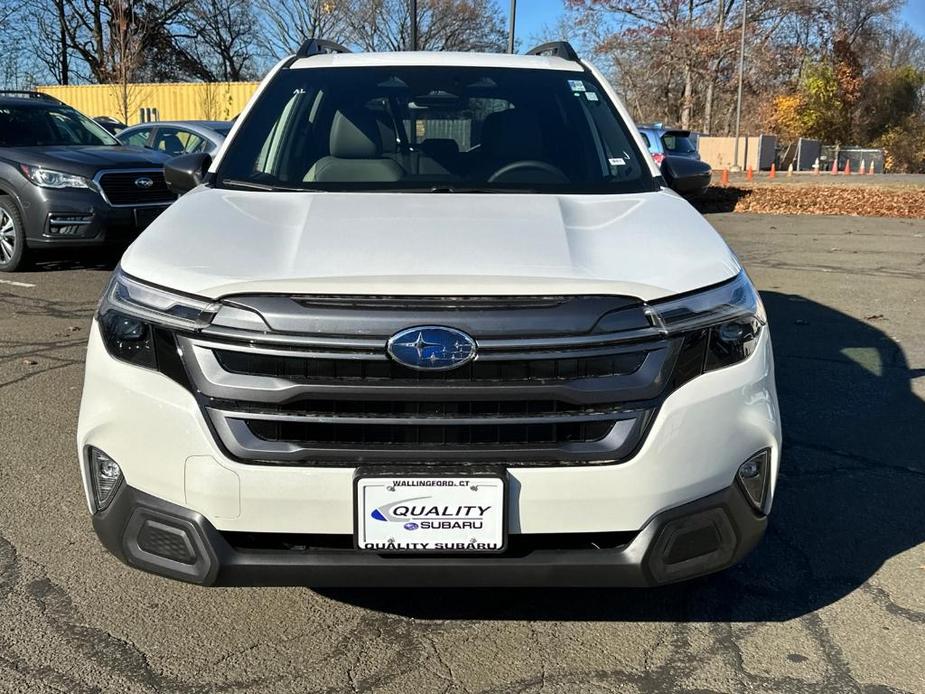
(530, 164)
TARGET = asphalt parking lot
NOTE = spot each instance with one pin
(832, 601)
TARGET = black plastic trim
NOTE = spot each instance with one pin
(218, 563)
(556, 49)
(313, 46)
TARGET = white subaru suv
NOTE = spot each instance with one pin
(429, 318)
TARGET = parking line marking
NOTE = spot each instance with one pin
(16, 284)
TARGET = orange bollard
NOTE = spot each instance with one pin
(848, 168)
(750, 174)
(773, 173)
(724, 178)
(834, 168)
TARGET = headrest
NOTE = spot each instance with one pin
(172, 143)
(355, 135)
(511, 135)
(437, 147)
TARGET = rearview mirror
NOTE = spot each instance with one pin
(686, 176)
(185, 172)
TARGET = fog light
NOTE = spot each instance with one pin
(105, 475)
(754, 477)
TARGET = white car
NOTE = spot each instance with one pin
(429, 319)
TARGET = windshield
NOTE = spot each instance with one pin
(42, 126)
(435, 128)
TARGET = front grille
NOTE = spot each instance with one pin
(120, 188)
(548, 387)
(418, 409)
(302, 370)
(445, 435)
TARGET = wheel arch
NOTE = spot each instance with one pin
(7, 189)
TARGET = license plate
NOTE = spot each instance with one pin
(427, 512)
(145, 215)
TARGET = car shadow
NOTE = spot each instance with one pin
(99, 259)
(849, 495)
(719, 199)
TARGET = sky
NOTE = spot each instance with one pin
(533, 14)
(913, 14)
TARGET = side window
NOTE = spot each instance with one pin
(139, 138)
(193, 142)
(645, 138)
(175, 140)
(199, 144)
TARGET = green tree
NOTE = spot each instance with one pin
(820, 113)
(889, 98)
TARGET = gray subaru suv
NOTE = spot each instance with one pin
(66, 182)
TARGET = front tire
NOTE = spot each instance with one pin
(13, 252)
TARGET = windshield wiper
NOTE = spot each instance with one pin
(253, 185)
(468, 189)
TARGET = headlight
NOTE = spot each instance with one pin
(734, 299)
(47, 178)
(131, 312)
(720, 325)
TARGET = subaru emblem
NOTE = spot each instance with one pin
(431, 348)
(144, 182)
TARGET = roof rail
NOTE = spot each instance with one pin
(556, 49)
(319, 47)
(29, 94)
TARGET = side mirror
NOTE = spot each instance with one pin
(185, 172)
(686, 176)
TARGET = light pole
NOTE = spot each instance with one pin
(414, 25)
(735, 155)
(510, 33)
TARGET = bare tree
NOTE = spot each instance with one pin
(47, 39)
(125, 56)
(384, 25)
(96, 29)
(443, 25)
(285, 25)
(221, 36)
(676, 59)
(15, 64)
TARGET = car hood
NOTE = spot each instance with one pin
(86, 160)
(215, 243)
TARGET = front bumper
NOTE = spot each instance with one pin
(155, 430)
(697, 538)
(81, 218)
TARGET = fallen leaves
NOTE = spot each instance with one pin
(863, 201)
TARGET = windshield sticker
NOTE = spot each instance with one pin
(576, 85)
(617, 161)
(591, 96)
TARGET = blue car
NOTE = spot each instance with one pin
(664, 142)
